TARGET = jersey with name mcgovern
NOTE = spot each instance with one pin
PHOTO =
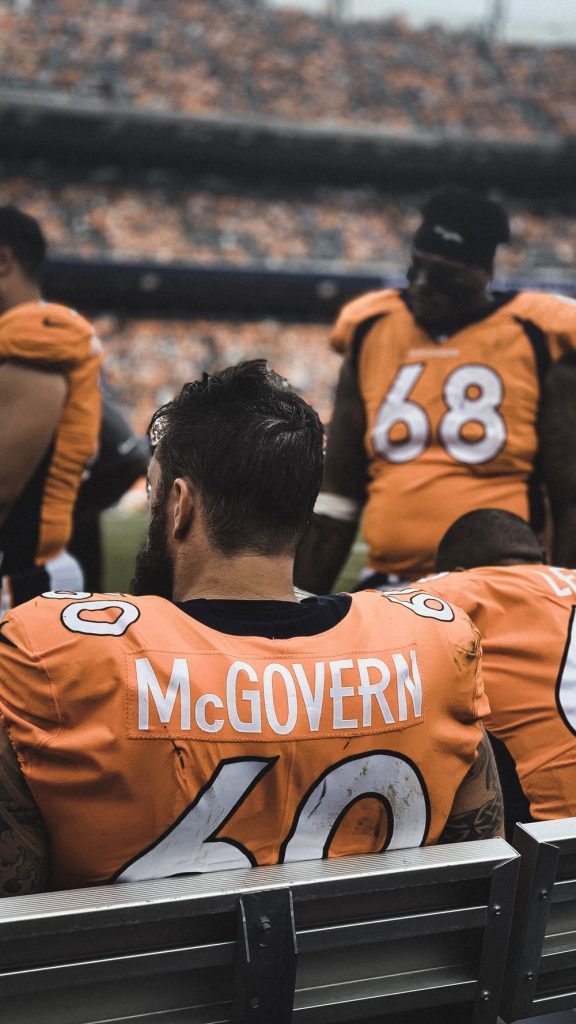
(155, 745)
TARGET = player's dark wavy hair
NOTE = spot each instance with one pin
(24, 236)
(253, 449)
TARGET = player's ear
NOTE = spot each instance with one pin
(183, 506)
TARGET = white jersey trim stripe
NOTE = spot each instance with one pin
(337, 507)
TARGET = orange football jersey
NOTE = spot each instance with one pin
(49, 335)
(525, 614)
(450, 425)
(155, 745)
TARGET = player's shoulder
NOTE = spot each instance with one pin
(456, 587)
(478, 587)
(363, 311)
(373, 303)
(50, 621)
(549, 311)
(422, 609)
(47, 332)
(445, 643)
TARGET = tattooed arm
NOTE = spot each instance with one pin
(477, 811)
(23, 841)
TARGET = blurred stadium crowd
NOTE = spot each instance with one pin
(162, 217)
(166, 217)
(207, 57)
(242, 58)
(147, 360)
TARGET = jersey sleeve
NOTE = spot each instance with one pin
(47, 334)
(555, 315)
(467, 648)
(459, 668)
(352, 315)
(457, 588)
(461, 593)
(468, 699)
(27, 696)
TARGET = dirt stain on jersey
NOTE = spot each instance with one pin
(178, 752)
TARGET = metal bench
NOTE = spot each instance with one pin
(411, 935)
(541, 971)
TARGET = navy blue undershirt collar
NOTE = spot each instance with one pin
(277, 620)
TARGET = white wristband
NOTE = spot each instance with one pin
(337, 507)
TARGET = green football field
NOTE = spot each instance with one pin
(124, 532)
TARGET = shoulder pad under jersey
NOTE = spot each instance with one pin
(47, 333)
(356, 312)
(550, 312)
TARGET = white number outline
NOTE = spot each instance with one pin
(458, 443)
(397, 453)
(417, 604)
(245, 857)
(70, 615)
(399, 815)
(78, 595)
(566, 680)
(397, 407)
(313, 795)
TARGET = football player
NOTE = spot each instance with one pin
(50, 399)
(495, 569)
(438, 404)
(223, 723)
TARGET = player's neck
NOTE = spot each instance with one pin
(245, 577)
(471, 314)
(20, 292)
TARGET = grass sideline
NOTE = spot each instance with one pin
(123, 534)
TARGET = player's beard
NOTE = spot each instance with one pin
(154, 572)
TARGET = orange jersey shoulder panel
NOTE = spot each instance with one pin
(555, 315)
(46, 332)
(43, 333)
(525, 614)
(363, 308)
(143, 733)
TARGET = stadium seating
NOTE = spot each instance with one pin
(167, 217)
(222, 228)
(147, 361)
(246, 59)
(411, 936)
